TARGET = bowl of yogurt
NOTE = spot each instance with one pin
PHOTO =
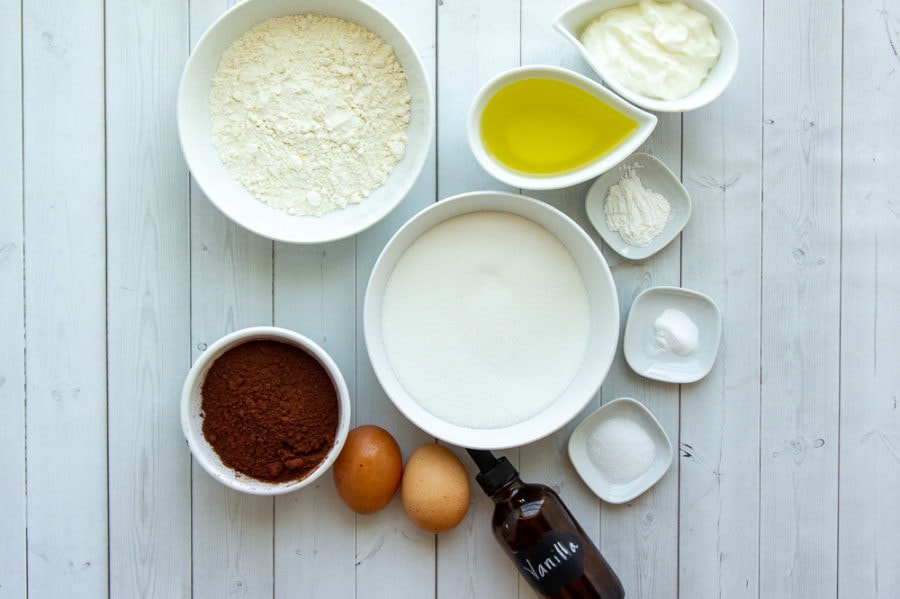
(664, 56)
(491, 320)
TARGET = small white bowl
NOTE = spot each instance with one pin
(646, 122)
(655, 176)
(572, 22)
(593, 475)
(643, 353)
(192, 415)
(217, 182)
(602, 339)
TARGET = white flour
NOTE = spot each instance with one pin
(309, 113)
(486, 319)
(637, 213)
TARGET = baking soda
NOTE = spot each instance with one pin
(676, 332)
(485, 319)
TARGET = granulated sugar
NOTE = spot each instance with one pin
(486, 319)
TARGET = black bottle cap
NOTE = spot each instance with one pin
(494, 473)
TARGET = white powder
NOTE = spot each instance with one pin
(676, 332)
(621, 449)
(486, 319)
(309, 113)
(637, 213)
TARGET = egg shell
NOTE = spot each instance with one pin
(367, 472)
(435, 488)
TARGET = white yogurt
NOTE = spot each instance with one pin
(661, 50)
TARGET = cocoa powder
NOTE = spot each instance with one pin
(270, 410)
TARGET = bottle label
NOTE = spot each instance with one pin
(554, 561)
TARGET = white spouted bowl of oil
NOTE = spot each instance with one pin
(545, 127)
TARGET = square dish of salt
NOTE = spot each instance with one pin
(620, 450)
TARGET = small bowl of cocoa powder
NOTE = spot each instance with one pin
(265, 410)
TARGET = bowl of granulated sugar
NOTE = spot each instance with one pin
(491, 320)
(305, 121)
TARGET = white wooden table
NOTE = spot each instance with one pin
(116, 272)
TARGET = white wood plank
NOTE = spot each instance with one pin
(231, 282)
(391, 553)
(148, 215)
(870, 420)
(800, 299)
(315, 295)
(476, 41)
(12, 317)
(635, 537)
(719, 446)
(654, 515)
(65, 300)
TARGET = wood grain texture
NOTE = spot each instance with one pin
(65, 303)
(382, 537)
(719, 436)
(800, 315)
(12, 317)
(476, 41)
(231, 278)
(116, 273)
(148, 302)
(870, 294)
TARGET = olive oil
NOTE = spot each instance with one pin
(544, 126)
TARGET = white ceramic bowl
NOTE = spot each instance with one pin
(600, 483)
(572, 22)
(642, 351)
(655, 176)
(602, 338)
(646, 122)
(231, 197)
(192, 415)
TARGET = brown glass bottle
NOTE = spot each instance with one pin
(542, 537)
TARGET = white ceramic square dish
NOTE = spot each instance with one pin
(600, 483)
(655, 176)
(643, 346)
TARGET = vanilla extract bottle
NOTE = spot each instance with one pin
(542, 537)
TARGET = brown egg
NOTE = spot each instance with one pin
(367, 472)
(435, 488)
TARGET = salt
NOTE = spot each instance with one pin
(621, 449)
(485, 319)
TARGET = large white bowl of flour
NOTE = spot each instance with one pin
(222, 185)
(491, 320)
